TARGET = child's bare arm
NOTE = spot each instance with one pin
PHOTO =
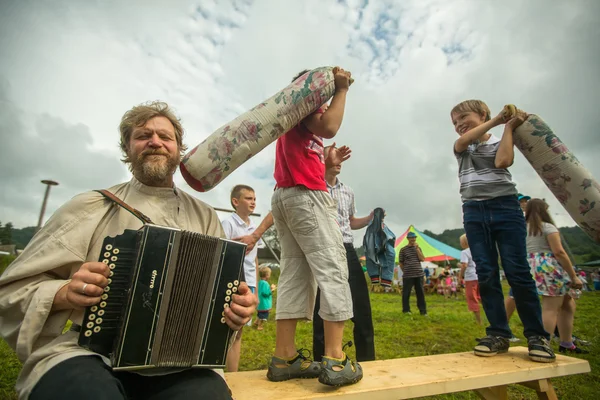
(328, 123)
(474, 134)
(506, 152)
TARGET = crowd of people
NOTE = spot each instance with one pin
(321, 279)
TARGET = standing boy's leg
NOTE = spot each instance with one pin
(295, 295)
(476, 219)
(420, 295)
(361, 304)
(407, 284)
(510, 232)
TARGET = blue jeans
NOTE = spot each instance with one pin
(500, 222)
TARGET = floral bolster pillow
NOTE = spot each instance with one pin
(561, 171)
(237, 141)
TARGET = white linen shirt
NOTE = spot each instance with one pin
(235, 227)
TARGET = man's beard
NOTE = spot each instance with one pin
(154, 167)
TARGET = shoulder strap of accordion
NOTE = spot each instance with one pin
(138, 214)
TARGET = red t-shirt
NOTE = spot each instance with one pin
(299, 159)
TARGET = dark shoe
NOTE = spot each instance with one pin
(300, 366)
(580, 342)
(335, 372)
(491, 345)
(540, 350)
(406, 312)
(573, 349)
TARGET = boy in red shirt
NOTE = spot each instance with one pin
(312, 249)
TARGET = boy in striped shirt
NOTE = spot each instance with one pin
(494, 222)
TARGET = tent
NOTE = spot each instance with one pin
(433, 249)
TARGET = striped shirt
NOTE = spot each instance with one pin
(411, 265)
(344, 197)
(479, 178)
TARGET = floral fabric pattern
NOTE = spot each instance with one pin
(236, 142)
(550, 278)
(571, 183)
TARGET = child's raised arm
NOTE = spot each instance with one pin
(506, 152)
(463, 142)
(328, 123)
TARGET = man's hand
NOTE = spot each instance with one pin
(84, 289)
(249, 240)
(341, 79)
(336, 156)
(243, 305)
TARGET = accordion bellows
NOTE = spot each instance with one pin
(165, 301)
(234, 143)
(570, 182)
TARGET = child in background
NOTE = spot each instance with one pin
(265, 296)
(469, 274)
(453, 287)
(243, 201)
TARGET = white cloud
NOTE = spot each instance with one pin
(84, 64)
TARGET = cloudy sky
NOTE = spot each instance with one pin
(69, 70)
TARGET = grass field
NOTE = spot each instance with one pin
(449, 328)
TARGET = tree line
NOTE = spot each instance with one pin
(581, 248)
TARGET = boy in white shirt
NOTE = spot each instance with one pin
(243, 201)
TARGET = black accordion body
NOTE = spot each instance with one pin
(164, 304)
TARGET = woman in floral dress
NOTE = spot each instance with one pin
(553, 272)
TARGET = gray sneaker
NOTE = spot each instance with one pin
(336, 372)
(300, 366)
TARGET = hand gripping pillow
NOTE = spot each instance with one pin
(561, 171)
(234, 143)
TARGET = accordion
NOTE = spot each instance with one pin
(165, 300)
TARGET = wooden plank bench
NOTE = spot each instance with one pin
(407, 378)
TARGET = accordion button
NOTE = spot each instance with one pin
(236, 283)
(105, 261)
(99, 320)
(107, 289)
(228, 292)
(94, 309)
(104, 296)
(109, 281)
(107, 254)
(113, 258)
(223, 314)
(88, 333)
(90, 325)
(112, 266)
(223, 320)
(225, 305)
(100, 313)
(230, 285)
(234, 289)
(227, 298)
(111, 273)
(116, 251)
(102, 304)
(108, 247)
(97, 329)
(91, 317)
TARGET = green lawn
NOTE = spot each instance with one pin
(449, 328)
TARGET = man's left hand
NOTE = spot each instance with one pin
(243, 305)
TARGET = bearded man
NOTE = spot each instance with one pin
(58, 275)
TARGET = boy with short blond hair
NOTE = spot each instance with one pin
(494, 223)
(243, 201)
